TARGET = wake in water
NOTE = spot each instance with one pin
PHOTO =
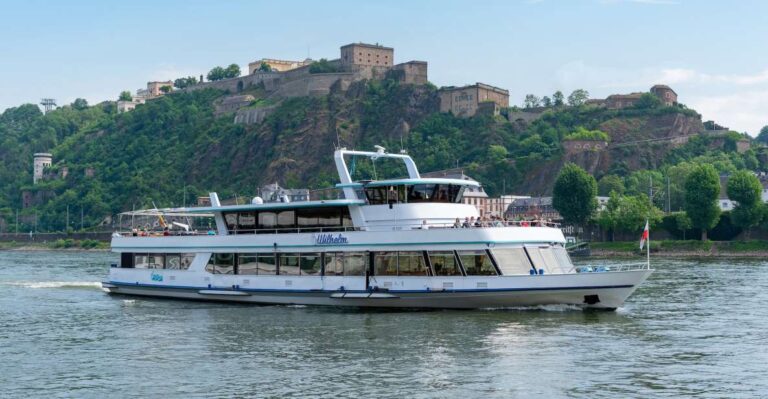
(53, 284)
(544, 308)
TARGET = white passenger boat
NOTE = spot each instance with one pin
(382, 243)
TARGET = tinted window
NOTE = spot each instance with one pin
(512, 261)
(477, 263)
(411, 264)
(221, 264)
(444, 263)
(385, 264)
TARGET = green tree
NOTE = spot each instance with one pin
(322, 66)
(497, 153)
(182, 83)
(574, 194)
(125, 96)
(763, 136)
(648, 101)
(166, 89)
(578, 97)
(609, 184)
(546, 101)
(217, 73)
(558, 99)
(232, 71)
(80, 104)
(264, 67)
(701, 191)
(531, 101)
(634, 210)
(745, 188)
(608, 218)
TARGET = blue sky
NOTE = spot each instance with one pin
(713, 53)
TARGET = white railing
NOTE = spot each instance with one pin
(621, 267)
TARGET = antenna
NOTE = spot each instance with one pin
(48, 104)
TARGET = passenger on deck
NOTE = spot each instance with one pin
(457, 224)
(424, 225)
(466, 223)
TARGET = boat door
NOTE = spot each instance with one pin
(345, 271)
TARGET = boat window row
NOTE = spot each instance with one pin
(393, 263)
(156, 261)
(504, 261)
(382, 195)
(289, 220)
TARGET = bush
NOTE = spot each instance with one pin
(322, 66)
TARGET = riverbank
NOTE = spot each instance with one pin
(57, 245)
(688, 248)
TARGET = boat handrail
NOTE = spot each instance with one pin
(335, 229)
(619, 267)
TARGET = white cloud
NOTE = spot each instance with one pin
(740, 111)
(739, 101)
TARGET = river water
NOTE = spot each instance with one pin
(694, 329)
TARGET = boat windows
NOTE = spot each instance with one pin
(306, 219)
(289, 264)
(477, 263)
(267, 264)
(385, 264)
(173, 261)
(221, 264)
(421, 193)
(444, 263)
(157, 261)
(512, 261)
(295, 264)
(141, 261)
(563, 259)
(247, 264)
(246, 221)
(334, 264)
(411, 264)
(126, 260)
(545, 258)
(186, 261)
(267, 220)
(346, 263)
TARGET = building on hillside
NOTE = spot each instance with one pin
(362, 54)
(154, 89)
(665, 93)
(125, 106)
(276, 65)
(532, 208)
(41, 160)
(232, 104)
(465, 101)
(540, 208)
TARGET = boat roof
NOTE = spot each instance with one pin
(274, 205)
(412, 182)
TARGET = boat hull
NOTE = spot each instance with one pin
(590, 290)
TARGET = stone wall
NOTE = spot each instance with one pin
(314, 85)
(367, 54)
(464, 101)
(252, 116)
(411, 72)
(575, 146)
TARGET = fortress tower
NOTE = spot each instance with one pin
(42, 161)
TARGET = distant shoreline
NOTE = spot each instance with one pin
(684, 249)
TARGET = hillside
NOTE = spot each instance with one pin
(174, 145)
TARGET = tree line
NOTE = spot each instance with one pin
(575, 192)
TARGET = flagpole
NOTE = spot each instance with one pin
(648, 250)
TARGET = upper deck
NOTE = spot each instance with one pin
(397, 204)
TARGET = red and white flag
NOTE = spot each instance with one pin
(644, 237)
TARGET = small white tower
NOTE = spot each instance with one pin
(42, 161)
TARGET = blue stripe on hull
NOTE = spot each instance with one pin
(158, 286)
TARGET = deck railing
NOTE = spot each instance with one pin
(619, 267)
